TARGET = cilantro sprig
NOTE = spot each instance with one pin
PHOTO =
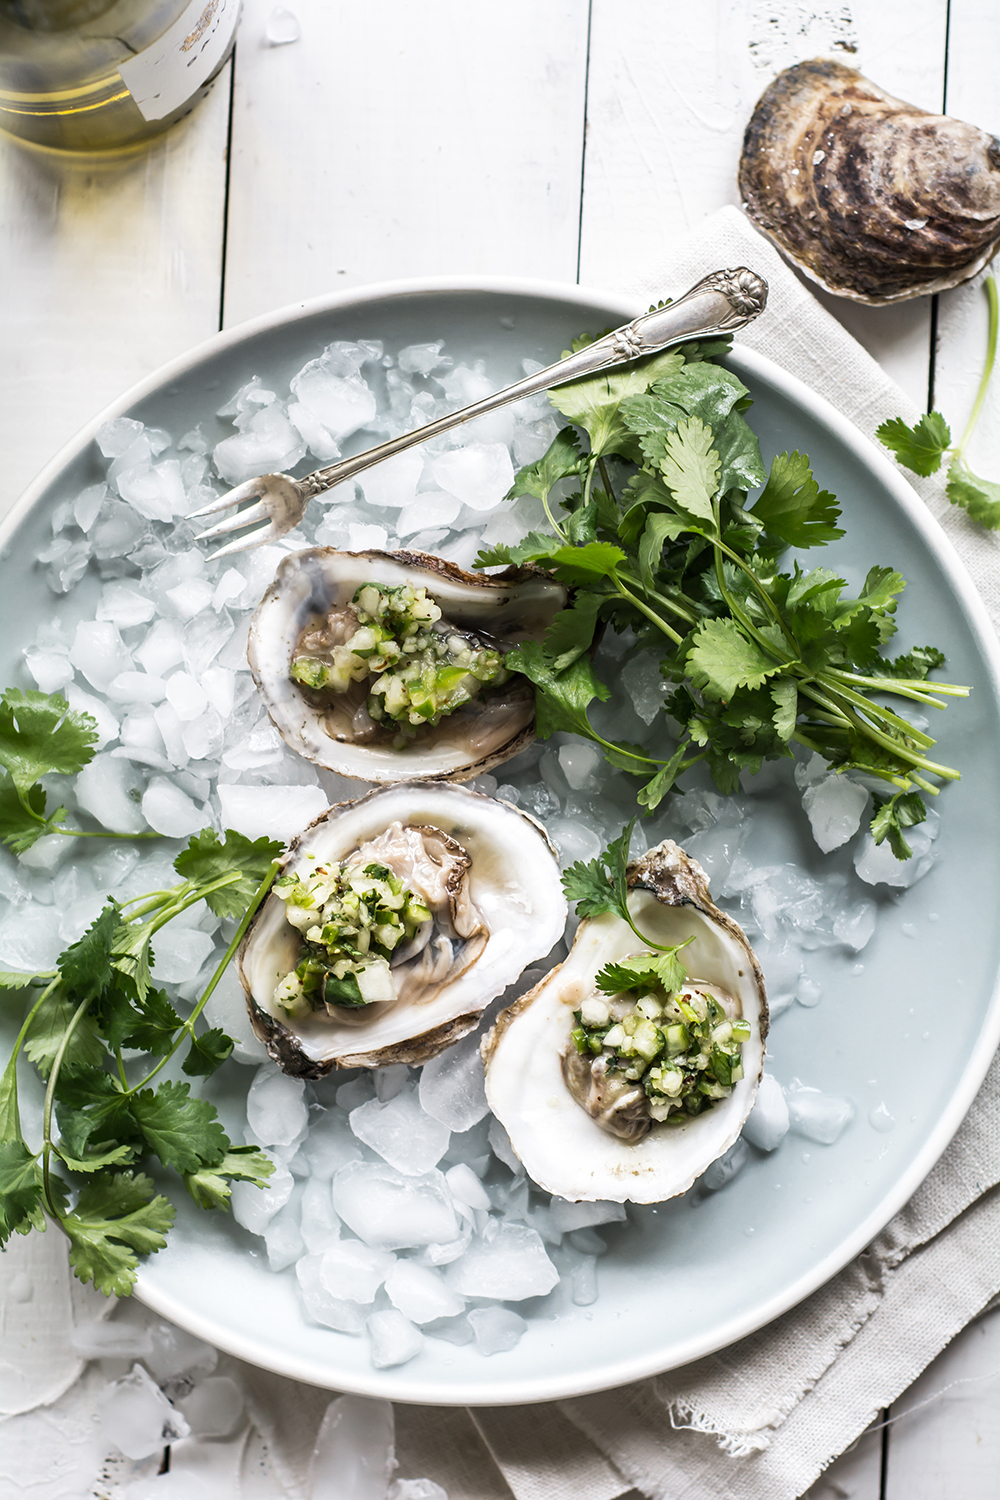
(653, 528)
(41, 735)
(104, 1115)
(924, 447)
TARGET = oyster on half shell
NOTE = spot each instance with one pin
(871, 197)
(311, 599)
(486, 881)
(586, 1138)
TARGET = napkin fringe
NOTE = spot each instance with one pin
(686, 1418)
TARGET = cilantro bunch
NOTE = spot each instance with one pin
(923, 447)
(105, 1111)
(658, 534)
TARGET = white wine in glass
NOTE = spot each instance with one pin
(107, 75)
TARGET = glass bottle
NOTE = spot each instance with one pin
(106, 75)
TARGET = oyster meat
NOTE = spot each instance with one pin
(581, 1125)
(871, 197)
(413, 685)
(396, 919)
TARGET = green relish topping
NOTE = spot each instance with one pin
(420, 670)
(677, 1041)
(352, 918)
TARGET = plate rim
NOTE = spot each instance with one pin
(392, 1383)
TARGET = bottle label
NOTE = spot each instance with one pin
(163, 76)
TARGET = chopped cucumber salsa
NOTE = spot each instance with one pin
(681, 1045)
(353, 918)
(419, 669)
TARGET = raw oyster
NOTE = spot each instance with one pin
(583, 1132)
(488, 880)
(310, 600)
(873, 198)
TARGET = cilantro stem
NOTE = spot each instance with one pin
(990, 287)
(644, 609)
(94, 833)
(687, 615)
(50, 1094)
(187, 1028)
(32, 1013)
(906, 687)
(876, 711)
(552, 520)
(872, 733)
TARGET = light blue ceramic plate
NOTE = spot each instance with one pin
(913, 1030)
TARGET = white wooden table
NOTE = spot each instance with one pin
(562, 139)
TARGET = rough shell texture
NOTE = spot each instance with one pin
(871, 197)
(509, 607)
(513, 884)
(563, 1149)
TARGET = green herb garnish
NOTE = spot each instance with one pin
(660, 536)
(923, 447)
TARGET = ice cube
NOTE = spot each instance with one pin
(421, 359)
(335, 394)
(497, 1329)
(117, 436)
(856, 926)
(171, 812)
(137, 687)
(108, 1339)
(642, 681)
(154, 490)
(354, 1271)
(390, 1081)
(99, 652)
(276, 1109)
(478, 474)
(190, 597)
(421, 1293)
(390, 1210)
(162, 648)
(767, 1123)
(877, 865)
(354, 1453)
(177, 1352)
(136, 1416)
(254, 1207)
(319, 1223)
(394, 1338)
(834, 806)
(322, 1307)
(228, 589)
(818, 1116)
(87, 505)
(501, 1146)
(282, 27)
(52, 670)
(204, 736)
(268, 444)
(29, 935)
(117, 530)
(452, 1086)
(726, 1167)
(226, 1008)
(141, 740)
(172, 732)
(509, 1262)
(274, 812)
(415, 1489)
(579, 763)
(330, 1145)
(466, 1188)
(109, 790)
(568, 1216)
(362, 538)
(283, 1238)
(179, 952)
(186, 696)
(394, 482)
(214, 1409)
(123, 604)
(574, 840)
(429, 509)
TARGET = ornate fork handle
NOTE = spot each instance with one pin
(720, 303)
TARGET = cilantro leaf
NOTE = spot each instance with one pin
(86, 965)
(582, 565)
(23, 819)
(20, 1186)
(40, 733)
(690, 468)
(562, 459)
(723, 658)
(148, 1022)
(660, 528)
(561, 698)
(572, 630)
(206, 859)
(913, 665)
(208, 1051)
(652, 794)
(595, 401)
(116, 1220)
(980, 497)
(210, 1186)
(793, 509)
(96, 1159)
(183, 1132)
(919, 448)
(537, 546)
(600, 885)
(892, 815)
(85, 1048)
(641, 971)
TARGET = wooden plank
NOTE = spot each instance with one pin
(446, 138)
(663, 142)
(109, 271)
(945, 1440)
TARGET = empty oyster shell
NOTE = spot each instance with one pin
(311, 586)
(871, 197)
(561, 1126)
(498, 906)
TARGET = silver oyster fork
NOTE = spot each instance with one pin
(720, 303)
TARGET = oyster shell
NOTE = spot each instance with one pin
(568, 1149)
(871, 197)
(504, 608)
(491, 881)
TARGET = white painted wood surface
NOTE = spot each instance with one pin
(396, 140)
